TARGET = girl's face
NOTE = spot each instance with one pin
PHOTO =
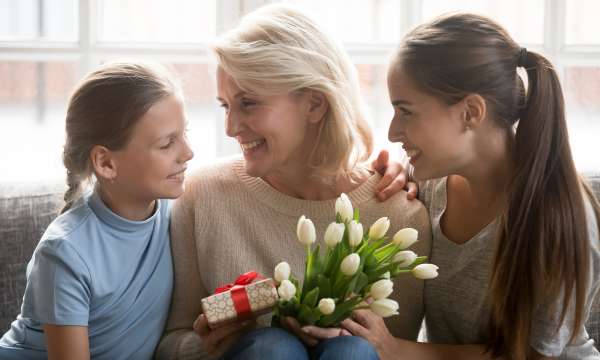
(274, 132)
(152, 164)
(431, 132)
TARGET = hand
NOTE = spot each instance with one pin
(368, 325)
(311, 335)
(216, 342)
(394, 178)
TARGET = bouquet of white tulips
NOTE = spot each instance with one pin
(356, 266)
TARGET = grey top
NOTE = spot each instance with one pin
(455, 306)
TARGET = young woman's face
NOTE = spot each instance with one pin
(273, 131)
(431, 132)
(152, 164)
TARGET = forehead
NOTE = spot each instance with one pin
(226, 82)
(163, 116)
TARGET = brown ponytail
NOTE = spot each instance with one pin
(103, 110)
(543, 247)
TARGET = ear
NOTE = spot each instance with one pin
(317, 106)
(103, 163)
(475, 109)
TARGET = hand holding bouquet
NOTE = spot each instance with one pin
(355, 266)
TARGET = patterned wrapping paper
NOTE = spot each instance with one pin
(219, 309)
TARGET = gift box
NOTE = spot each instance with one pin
(249, 296)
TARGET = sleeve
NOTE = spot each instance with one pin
(546, 339)
(179, 341)
(58, 285)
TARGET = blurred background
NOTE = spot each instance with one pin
(46, 46)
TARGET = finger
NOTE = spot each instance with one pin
(354, 328)
(201, 325)
(323, 333)
(413, 190)
(395, 186)
(381, 162)
(363, 317)
(293, 325)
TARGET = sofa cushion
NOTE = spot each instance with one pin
(25, 212)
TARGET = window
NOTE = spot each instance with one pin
(46, 46)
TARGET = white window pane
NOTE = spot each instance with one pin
(583, 25)
(54, 20)
(524, 20)
(356, 20)
(157, 21)
(582, 95)
(32, 108)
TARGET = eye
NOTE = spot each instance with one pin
(168, 145)
(224, 106)
(247, 103)
(405, 112)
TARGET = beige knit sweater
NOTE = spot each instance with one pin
(228, 223)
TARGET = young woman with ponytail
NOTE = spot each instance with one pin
(515, 229)
(99, 283)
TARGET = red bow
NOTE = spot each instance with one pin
(239, 294)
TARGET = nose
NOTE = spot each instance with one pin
(396, 130)
(187, 153)
(233, 125)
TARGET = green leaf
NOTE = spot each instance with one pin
(361, 282)
(341, 312)
(324, 286)
(306, 316)
(311, 298)
(371, 262)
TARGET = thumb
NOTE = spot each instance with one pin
(382, 160)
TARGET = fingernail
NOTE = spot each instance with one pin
(306, 329)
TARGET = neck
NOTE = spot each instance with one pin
(126, 206)
(489, 174)
(304, 183)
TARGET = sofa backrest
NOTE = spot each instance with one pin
(26, 211)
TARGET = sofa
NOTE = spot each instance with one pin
(27, 209)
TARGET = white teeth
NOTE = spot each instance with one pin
(250, 145)
(412, 152)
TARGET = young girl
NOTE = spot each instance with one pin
(100, 280)
(515, 230)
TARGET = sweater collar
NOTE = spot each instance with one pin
(290, 205)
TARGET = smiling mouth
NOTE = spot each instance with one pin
(251, 145)
(177, 176)
(411, 152)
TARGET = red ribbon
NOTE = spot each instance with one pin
(239, 294)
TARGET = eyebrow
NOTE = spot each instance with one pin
(238, 95)
(400, 102)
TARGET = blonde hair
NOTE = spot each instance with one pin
(103, 110)
(277, 50)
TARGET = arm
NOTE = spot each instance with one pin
(371, 327)
(67, 342)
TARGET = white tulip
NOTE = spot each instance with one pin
(386, 275)
(282, 272)
(286, 290)
(425, 271)
(381, 289)
(334, 234)
(385, 307)
(343, 206)
(379, 228)
(300, 221)
(326, 306)
(355, 233)
(350, 264)
(406, 237)
(306, 231)
(405, 258)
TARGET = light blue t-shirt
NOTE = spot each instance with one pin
(94, 268)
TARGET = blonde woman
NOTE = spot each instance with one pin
(291, 99)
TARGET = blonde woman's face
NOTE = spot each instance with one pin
(274, 132)
(153, 163)
(431, 132)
